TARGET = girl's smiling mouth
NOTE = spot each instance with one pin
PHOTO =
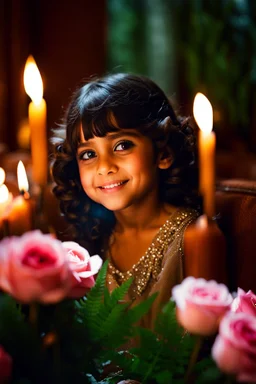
(113, 186)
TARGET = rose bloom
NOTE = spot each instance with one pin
(129, 382)
(234, 349)
(83, 268)
(244, 302)
(201, 304)
(34, 268)
(5, 366)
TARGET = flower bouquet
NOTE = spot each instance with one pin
(59, 325)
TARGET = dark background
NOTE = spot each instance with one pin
(67, 41)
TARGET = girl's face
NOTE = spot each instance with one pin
(118, 170)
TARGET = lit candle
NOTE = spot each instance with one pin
(203, 115)
(2, 176)
(5, 195)
(37, 121)
(20, 216)
(5, 199)
(5, 202)
(204, 243)
(22, 180)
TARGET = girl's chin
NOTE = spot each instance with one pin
(116, 205)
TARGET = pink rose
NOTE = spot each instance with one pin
(34, 268)
(234, 349)
(5, 366)
(83, 268)
(244, 302)
(129, 382)
(201, 304)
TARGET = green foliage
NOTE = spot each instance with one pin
(217, 49)
(96, 340)
(207, 46)
(161, 356)
(126, 36)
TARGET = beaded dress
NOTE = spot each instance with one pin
(160, 268)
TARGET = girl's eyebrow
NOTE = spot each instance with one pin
(117, 135)
(111, 136)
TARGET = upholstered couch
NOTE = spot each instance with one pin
(236, 208)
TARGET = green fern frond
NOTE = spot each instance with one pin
(91, 305)
(113, 321)
(148, 343)
(135, 313)
(114, 318)
(126, 327)
(102, 310)
(107, 321)
(118, 293)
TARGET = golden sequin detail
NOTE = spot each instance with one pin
(149, 266)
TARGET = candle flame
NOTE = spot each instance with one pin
(203, 113)
(4, 194)
(22, 177)
(33, 81)
(2, 176)
(202, 222)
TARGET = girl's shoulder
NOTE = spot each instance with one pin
(176, 224)
(173, 228)
(182, 216)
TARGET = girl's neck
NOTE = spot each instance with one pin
(144, 218)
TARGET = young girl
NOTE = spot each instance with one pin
(126, 179)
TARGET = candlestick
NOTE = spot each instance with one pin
(37, 121)
(205, 250)
(207, 141)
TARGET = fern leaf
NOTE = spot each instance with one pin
(119, 293)
(106, 326)
(94, 298)
(135, 313)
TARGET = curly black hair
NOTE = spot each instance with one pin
(106, 105)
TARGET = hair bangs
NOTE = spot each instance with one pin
(99, 124)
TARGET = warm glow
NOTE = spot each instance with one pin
(202, 222)
(2, 176)
(32, 81)
(4, 194)
(22, 177)
(203, 113)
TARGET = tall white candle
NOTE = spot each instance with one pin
(203, 114)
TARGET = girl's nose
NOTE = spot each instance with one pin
(106, 166)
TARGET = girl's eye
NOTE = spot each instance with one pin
(124, 145)
(87, 155)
